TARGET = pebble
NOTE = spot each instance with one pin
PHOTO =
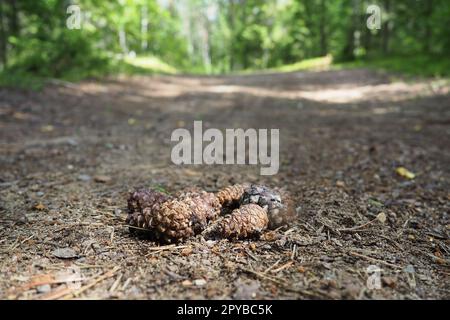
(64, 253)
(102, 179)
(44, 288)
(84, 177)
(200, 282)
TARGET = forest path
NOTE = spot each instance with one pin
(70, 154)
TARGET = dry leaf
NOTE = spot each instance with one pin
(39, 206)
(186, 251)
(47, 128)
(405, 173)
(381, 217)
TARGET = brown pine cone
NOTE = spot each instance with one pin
(230, 196)
(279, 205)
(185, 216)
(245, 222)
(142, 205)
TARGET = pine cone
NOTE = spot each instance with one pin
(142, 205)
(247, 221)
(279, 205)
(185, 216)
(230, 196)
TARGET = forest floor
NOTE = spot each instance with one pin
(70, 154)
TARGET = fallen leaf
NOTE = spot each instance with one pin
(405, 173)
(47, 128)
(186, 251)
(21, 115)
(381, 217)
(301, 269)
(39, 206)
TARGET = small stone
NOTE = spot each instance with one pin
(389, 281)
(39, 193)
(64, 253)
(199, 282)
(186, 251)
(340, 184)
(186, 283)
(84, 177)
(102, 179)
(44, 288)
(22, 220)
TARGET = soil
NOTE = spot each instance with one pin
(70, 154)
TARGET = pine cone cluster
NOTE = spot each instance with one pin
(188, 213)
(279, 205)
(230, 197)
(171, 219)
(142, 206)
(245, 222)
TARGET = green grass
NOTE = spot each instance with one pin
(150, 64)
(413, 65)
(21, 80)
(319, 63)
(17, 78)
(417, 65)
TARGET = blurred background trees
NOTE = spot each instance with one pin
(212, 36)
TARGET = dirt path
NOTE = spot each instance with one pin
(70, 154)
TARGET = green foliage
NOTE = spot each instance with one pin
(412, 65)
(216, 36)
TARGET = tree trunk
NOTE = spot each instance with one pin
(386, 28)
(322, 31)
(144, 28)
(3, 59)
(428, 27)
(13, 18)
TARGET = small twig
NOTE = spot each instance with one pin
(111, 236)
(125, 285)
(156, 250)
(252, 255)
(116, 283)
(282, 283)
(374, 260)
(294, 251)
(106, 275)
(284, 266)
(358, 227)
(272, 266)
(262, 275)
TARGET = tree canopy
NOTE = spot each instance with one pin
(212, 36)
